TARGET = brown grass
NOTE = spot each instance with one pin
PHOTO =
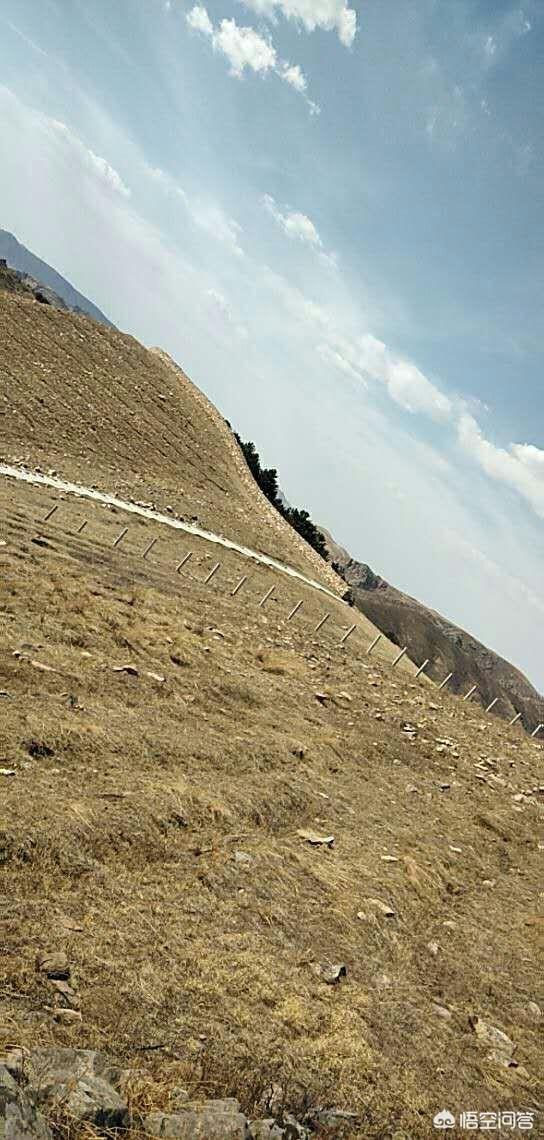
(132, 796)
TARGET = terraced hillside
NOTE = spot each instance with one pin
(100, 409)
(268, 859)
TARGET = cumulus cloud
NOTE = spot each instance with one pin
(520, 466)
(247, 50)
(329, 15)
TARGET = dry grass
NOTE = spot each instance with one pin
(132, 796)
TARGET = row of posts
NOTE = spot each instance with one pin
(296, 609)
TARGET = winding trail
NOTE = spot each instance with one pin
(35, 477)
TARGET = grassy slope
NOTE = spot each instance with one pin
(119, 835)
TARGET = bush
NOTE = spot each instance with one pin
(267, 478)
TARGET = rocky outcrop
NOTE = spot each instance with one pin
(85, 1087)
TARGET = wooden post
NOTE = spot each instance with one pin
(375, 642)
(294, 610)
(515, 719)
(120, 536)
(213, 571)
(322, 622)
(470, 692)
(537, 729)
(492, 705)
(51, 512)
(445, 681)
(399, 656)
(267, 595)
(149, 547)
(239, 585)
(422, 668)
(183, 561)
(348, 634)
(81, 527)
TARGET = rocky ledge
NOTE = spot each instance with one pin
(82, 1086)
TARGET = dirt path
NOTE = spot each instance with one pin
(36, 477)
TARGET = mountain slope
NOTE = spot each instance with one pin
(449, 649)
(21, 259)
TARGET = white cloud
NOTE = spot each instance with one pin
(245, 49)
(520, 466)
(371, 359)
(205, 214)
(221, 310)
(301, 228)
(199, 20)
(329, 15)
(96, 165)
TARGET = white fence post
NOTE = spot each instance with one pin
(537, 729)
(470, 692)
(213, 571)
(294, 610)
(120, 536)
(445, 681)
(51, 512)
(266, 596)
(149, 547)
(492, 705)
(422, 668)
(348, 634)
(374, 643)
(239, 585)
(515, 719)
(399, 656)
(322, 622)
(183, 561)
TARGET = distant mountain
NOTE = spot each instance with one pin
(37, 272)
(427, 634)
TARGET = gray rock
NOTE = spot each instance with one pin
(86, 1083)
(19, 1118)
(210, 1120)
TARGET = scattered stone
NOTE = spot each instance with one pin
(242, 858)
(382, 981)
(322, 698)
(298, 751)
(7, 771)
(534, 1010)
(19, 1117)
(378, 905)
(442, 1012)
(316, 840)
(331, 973)
(66, 1016)
(502, 1047)
(433, 948)
(131, 669)
(389, 858)
(54, 964)
(154, 676)
(44, 668)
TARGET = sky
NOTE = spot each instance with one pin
(330, 216)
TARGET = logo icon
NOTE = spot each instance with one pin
(444, 1120)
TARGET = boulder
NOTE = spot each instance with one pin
(19, 1117)
(209, 1120)
(85, 1083)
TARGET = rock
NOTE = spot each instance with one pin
(502, 1047)
(209, 1120)
(131, 669)
(242, 858)
(442, 1012)
(332, 1119)
(66, 1016)
(382, 981)
(433, 948)
(315, 839)
(534, 1010)
(380, 906)
(53, 964)
(7, 771)
(331, 973)
(19, 1118)
(322, 698)
(85, 1082)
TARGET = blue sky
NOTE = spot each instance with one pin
(331, 217)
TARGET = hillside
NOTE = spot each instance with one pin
(39, 273)
(449, 649)
(241, 857)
